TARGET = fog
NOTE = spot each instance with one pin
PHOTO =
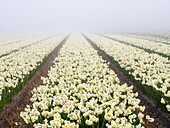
(44, 16)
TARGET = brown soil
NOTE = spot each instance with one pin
(161, 119)
(11, 113)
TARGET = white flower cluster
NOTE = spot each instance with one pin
(81, 91)
(9, 40)
(150, 69)
(150, 38)
(155, 46)
(18, 44)
(14, 67)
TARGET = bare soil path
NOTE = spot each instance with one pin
(161, 119)
(11, 113)
(136, 46)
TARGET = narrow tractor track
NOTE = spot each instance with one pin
(145, 49)
(11, 113)
(161, 119)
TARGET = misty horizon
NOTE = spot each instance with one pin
(42, 16)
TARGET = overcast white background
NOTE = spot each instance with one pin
(43, 16)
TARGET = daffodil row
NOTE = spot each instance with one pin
(5, 40)
(151, 70)
(146, 44)
(5, 49)
(17, 68)
(155, 38)
(81, 91)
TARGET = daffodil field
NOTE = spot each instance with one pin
(17, 68)
(84, 80)
(151, 71)
(163, 38)
(82, 91)
(9, 46)
(146, 44)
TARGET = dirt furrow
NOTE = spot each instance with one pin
(145, 49)
(161, 119)
(11, 113)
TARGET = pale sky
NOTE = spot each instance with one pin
(29, 16)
